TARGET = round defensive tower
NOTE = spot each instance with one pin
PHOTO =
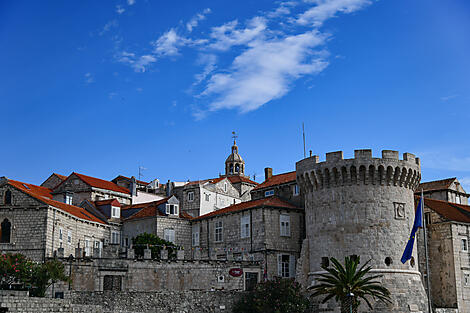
(364, 206)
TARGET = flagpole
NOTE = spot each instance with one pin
(428, 273)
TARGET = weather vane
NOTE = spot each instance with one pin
(234, 135)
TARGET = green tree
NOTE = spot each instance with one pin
(155, 244)
(349, 284)
(273, 296)
(46, 274)
(15, 270)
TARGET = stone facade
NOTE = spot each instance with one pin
(364, 206)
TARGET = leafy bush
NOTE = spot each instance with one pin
(274, 296)
(156, 244)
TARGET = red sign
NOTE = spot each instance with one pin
(235, 272)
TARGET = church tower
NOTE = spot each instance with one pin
(234, 164)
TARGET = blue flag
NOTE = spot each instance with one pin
(417, 224)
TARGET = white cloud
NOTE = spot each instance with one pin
(107, 27)
(89, 79)
(229, 35)
(120, 9)
(193, 22)
(325, 9)
(139, 64)
(130, 2)
(265, 71)
(209, 62)
(169, 43)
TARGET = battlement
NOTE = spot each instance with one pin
(362, 169)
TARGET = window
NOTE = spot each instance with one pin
(466, 279)
(7, 198)
(87, 247)
(231, 169)
(219, 228)
(464, 244)
(115, 212)
(237, 168)
(190, 196)
(225, 187)
(207, 196)
(112, 283)
(457, 199)
(115, 237)
(238, 256)
(286, 265)
(296, 190)
(169, 235)
(427, 218)
(5, 233)
(245, 226)
(68, 198)
(195, 236)
(60, 234)
(172, 209)
(284, 223)
(268, 193)
(69, 237)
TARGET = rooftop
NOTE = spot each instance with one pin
(277, 180)
(451, 211)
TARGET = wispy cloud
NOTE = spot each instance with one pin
(89, 79)
(209, 62)
(229, 34)
(130, 2)
(138, 63)
(193, 22)
(120, 9)
(326, 9)
(447, 98)
(107, 27)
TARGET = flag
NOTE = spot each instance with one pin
(417, 224)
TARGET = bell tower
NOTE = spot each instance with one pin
(234, 164)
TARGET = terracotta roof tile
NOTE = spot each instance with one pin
(277, 180)
(62, 177)
(238, 179)
(141, 182)
(436, 184)
(269, 202)
(102, 184)
(450, 211)
(112, 202)
(43, 194)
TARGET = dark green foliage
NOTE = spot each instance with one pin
(274, 296)
(155, 244)
(341, 281)
(17, 272)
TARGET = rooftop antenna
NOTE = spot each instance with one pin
(141, 169)
(303, 135)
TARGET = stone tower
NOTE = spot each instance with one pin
(234, 164)
(364, 206)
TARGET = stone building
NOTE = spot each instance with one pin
(162, 218)
(448, 230)
(363, 206)
(34, 224)
(268, 230)
(53, 180)
(449, 190)
(141, 191)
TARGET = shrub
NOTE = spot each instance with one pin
(274, 296)
(155, 244)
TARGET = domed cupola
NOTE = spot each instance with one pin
(234, 165)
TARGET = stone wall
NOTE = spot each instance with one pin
(162, 302)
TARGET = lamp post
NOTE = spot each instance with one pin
(350, 295)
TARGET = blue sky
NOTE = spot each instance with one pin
(103, 87)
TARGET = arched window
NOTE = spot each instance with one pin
(5, 231)
(231, 169)
(7, 197)
(237, 168)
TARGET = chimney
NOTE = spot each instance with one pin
(133, 187)
(168, 188)
(268, 173)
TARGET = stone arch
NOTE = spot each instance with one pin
(403, 176)
(353, 172)
(381, 173)
(237, 168)
(320, 179)
(389, 177)
(409, 178)
(396, 176)
(372, 174)
(327, 178)
(344, 175)
(7, 199)
(336, 176)
(5, 231)
(230, 168)
(362, 174)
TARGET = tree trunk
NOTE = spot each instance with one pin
(347, 306)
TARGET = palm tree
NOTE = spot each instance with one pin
(348, 284)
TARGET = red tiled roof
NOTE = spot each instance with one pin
(129, 179)
(267, 202)
(436, 184)
(62, 177)
(43, 194)
(150, 209)
(112, 202)
(277, 180)
(102, 184)
(238, 179)
(450, 211)
(210, 180)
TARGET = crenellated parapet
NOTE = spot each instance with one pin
(363, 169)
